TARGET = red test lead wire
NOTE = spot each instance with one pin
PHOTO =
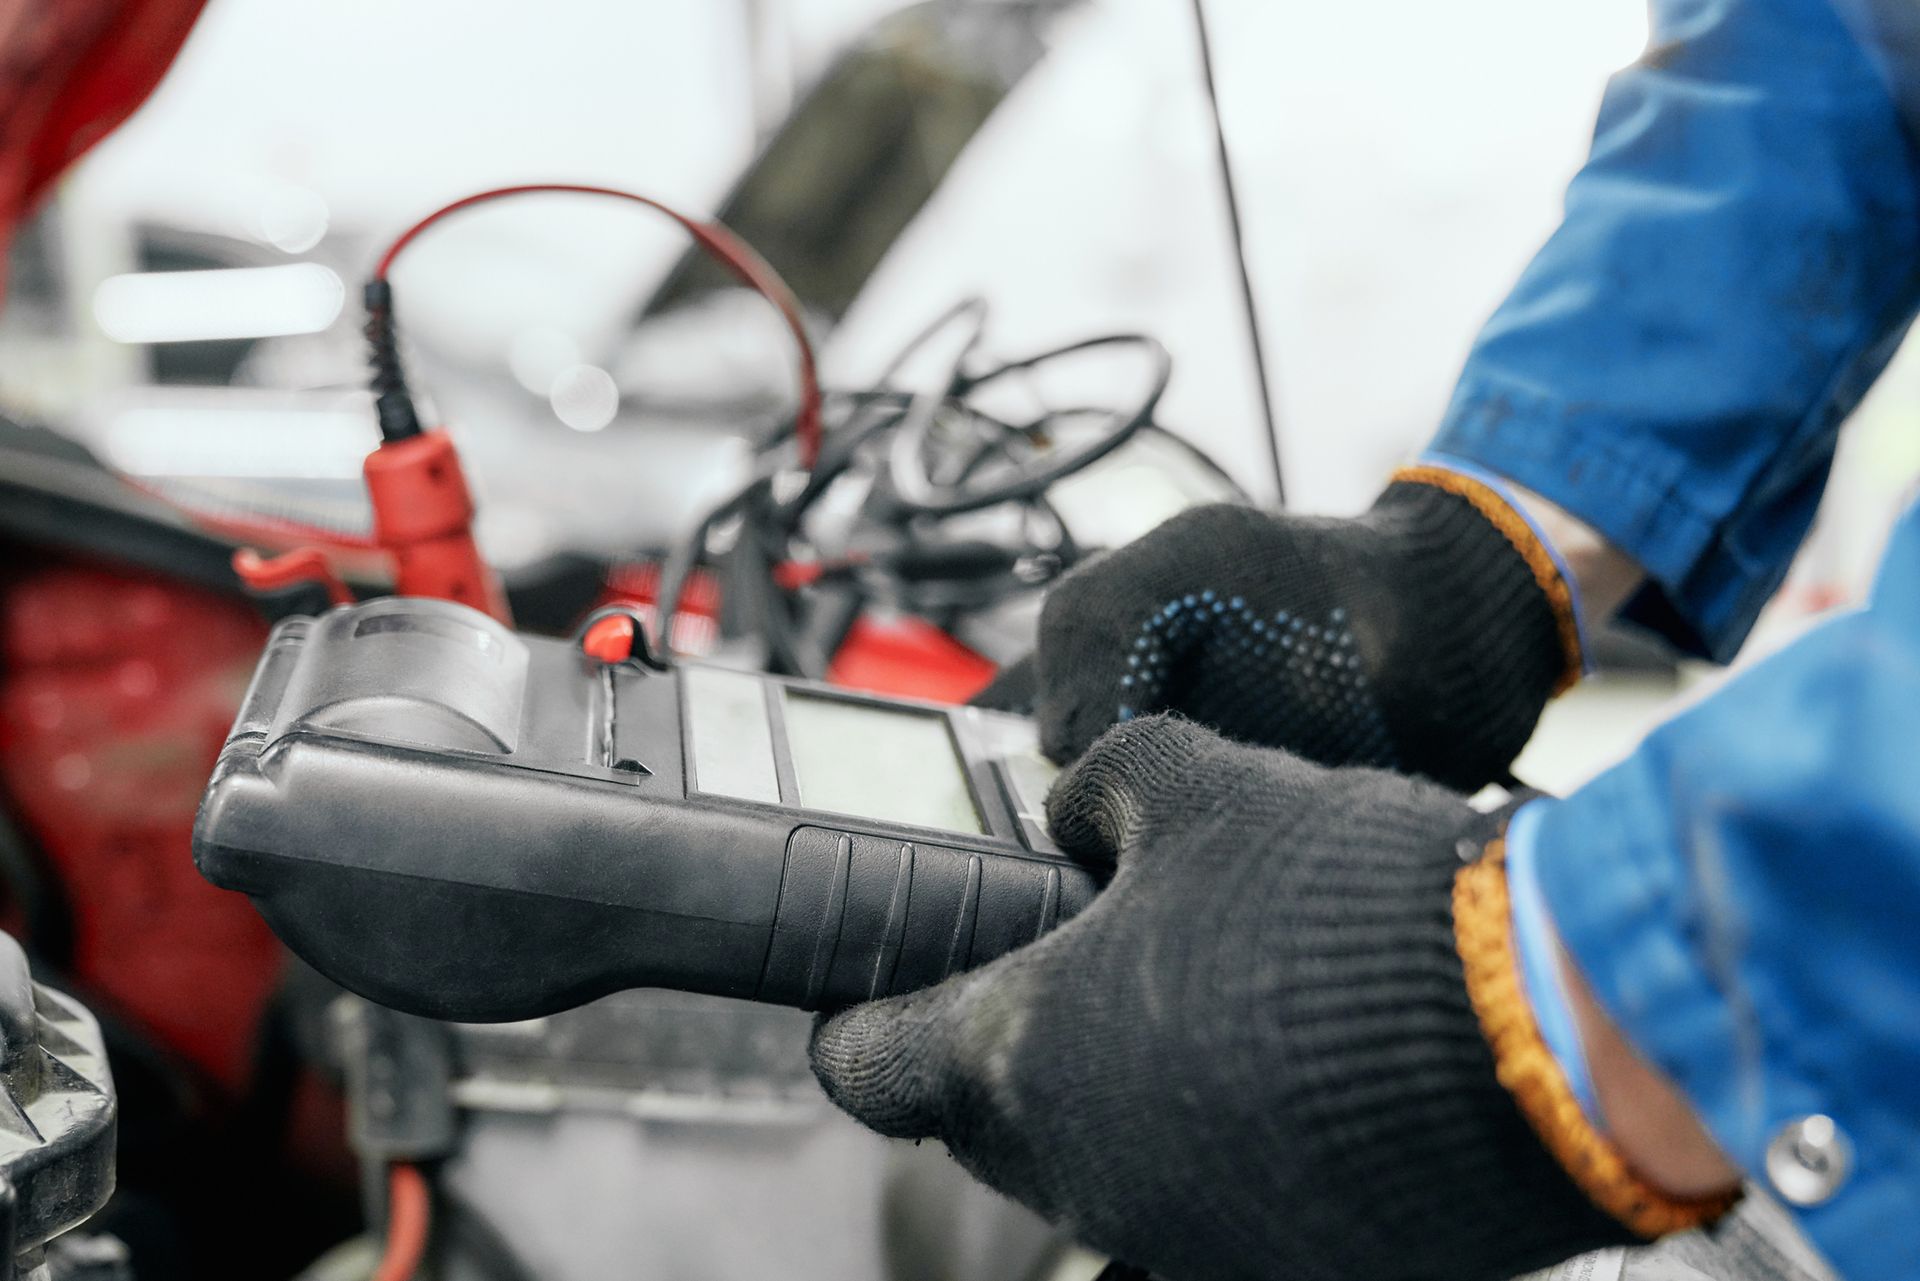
(422, 509)
(409, 1215)
(719, 241)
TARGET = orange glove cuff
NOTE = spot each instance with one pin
(1483, 932)
(1518, 532)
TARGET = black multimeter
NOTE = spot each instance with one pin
(469, 823)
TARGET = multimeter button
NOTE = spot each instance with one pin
(610, 639)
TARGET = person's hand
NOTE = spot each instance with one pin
(1256, 1054)
(1424, 636)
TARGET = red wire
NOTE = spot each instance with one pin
(408, 1213)
(717, 240)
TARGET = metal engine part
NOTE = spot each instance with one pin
(659, 1133)
(57, 1118)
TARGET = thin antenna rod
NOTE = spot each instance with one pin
(1258, 348)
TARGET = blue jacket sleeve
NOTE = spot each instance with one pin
(1738, 260)
(1743, 894)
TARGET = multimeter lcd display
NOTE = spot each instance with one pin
(890, 764)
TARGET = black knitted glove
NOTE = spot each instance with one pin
(1421, 637)
(1254, 1056)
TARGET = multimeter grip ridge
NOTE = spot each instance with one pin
(861, 916)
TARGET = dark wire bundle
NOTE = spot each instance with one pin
(933, 454)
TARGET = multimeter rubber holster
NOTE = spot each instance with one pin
(465, 822)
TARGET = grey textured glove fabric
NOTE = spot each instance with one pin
(1412, 638)
(1254, 1055)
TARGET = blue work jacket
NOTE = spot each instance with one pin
(1739, 258)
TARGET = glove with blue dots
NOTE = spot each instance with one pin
(1423, 636)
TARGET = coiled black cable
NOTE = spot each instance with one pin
(1005, 463)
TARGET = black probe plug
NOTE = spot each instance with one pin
(967, 558)
(912, 563)
(391, 399)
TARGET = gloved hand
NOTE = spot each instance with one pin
(1255, 1055)
(1424, 636)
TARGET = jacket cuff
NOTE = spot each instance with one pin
(1702, 595)
(1536, 950)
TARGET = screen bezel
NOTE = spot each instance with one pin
(900, 733)
(985, 788)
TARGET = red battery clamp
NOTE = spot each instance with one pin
(422, 508)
